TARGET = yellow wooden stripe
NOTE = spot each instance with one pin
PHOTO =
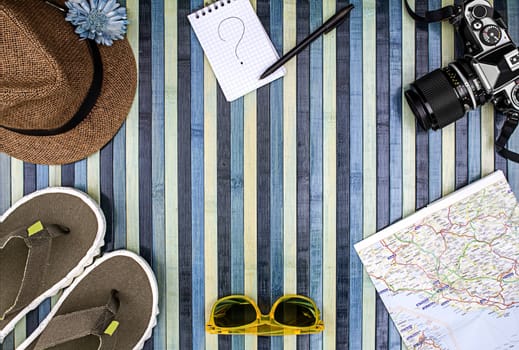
(210, 197)
(289, 159)
(408, 118)
(329, 179)
(132, 141)
(487, 138)
(449, 132)
(93, 177)
(16, 194)
(369, 94)
(171, 174)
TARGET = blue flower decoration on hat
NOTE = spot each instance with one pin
(101, 20)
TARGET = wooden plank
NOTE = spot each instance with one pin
(210, 198)
(329, 179)
(316, 166)
(369, 95)
(132, 142)
(171, 189)
(289, 160)
(159, 258)
(356, 169)
(20, 330)
(448, 132)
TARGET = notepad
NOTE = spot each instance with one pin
(236, 45)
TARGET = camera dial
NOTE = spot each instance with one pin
(490, 35)
(479, 11)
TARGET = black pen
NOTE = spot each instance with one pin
(327, 26)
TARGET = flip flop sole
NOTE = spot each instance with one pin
(26, 211)
(137, 288)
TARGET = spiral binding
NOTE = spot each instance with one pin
(214, 6)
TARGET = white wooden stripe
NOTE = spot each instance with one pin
(210, 197)
(448, 132)
(329, 179)
(132, 141)
(408, 118)
(93, 177)
(369, 90)
(171, 174)
(16, 194)
(289, 159)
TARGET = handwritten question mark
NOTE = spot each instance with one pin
(239, 40)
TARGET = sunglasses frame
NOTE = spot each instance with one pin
(267, 321)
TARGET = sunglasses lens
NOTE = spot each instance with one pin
(296, 312)
(234, 312)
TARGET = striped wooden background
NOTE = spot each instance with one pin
(268, 194)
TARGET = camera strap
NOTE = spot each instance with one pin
(507, 130)
(432, 16)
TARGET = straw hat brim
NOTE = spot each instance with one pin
(97, 129)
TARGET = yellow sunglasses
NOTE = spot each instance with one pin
(290, 315)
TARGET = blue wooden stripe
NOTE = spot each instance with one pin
(435, 137)
(237, 264)
(42, 181)
(106, 183)
(316, 167)
(513, 23)
(29, 186)
(303, 160)
(356, 167)
(395, 129)
(145, 110)
(197, 187)
(276, 172)
(67, 175)
(119, 189)
(80, 175)
(461, 154)
(157, 165)
(474, 145)
(422, 139)
(263, 161)
(383, 158)
(500, 162)
(184, 176)
(303, 156)
(224, 203)
(263, 183)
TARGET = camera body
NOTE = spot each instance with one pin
(488, 72)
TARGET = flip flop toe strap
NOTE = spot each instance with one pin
(97, 321)
(38, 238)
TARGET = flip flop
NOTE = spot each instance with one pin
(113, 305)
(46, 240)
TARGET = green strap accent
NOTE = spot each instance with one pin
(35, 228)
(112, 327)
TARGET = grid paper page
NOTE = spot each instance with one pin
(236, 45)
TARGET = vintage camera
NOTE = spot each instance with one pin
(489, 71)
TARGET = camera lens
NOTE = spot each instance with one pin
(443, 96)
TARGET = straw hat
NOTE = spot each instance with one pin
(61, 98)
